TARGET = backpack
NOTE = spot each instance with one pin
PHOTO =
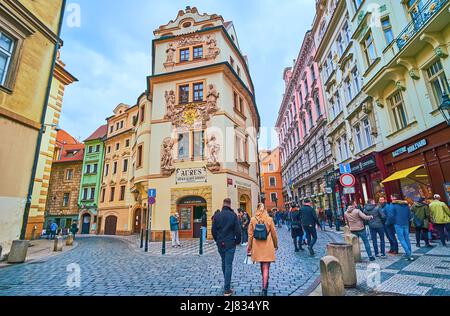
(260, 232)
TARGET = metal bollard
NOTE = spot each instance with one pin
(201, 244)
(146, 240)
(142, 238)
(164, 243)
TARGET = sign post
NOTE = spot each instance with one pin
(348, 181)
(151, 202)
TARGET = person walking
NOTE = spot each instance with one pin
(440, 215)
(389, 228)
(74, 229)
(355, 220)
(204, 227)
(376, 227)
(329, 215)
(296, 229)
(53, 229)
(421, 221)
(309, 220)
(263, 250)
(288, 219)
(322, 219)
(400, 215)
(174, 230)
(244, 219)
(226, 231)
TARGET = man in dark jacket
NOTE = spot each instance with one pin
(400, 216)
(388, 225)
(376, 227)
(296, 228)
(226, 231)
(309, 221)
(329, 214)
(204, 227)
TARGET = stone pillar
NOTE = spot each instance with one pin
(331, 277)
(18, 252)
(69, 240)
(354, 241)
(344, 253)
(58, 245)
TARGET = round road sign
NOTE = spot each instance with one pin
(348, 180)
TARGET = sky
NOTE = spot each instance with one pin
(107, 47)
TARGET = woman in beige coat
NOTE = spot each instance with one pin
(263, 251)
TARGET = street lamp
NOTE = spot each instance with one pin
(445, 108)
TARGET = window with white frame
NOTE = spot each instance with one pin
(272, 181)
(6, 52)
(387, 30)
(369, 49)
(438, 81)
(398, 110)
(340, 45)
(339, 152)
(92, 196)
(357, 4)
(346, 32)
(348, 89)
(274, 197)
(271, 167)
(359, 137)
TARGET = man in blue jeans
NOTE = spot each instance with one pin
(226, 231)
(389, 225)
(401, 217)
(309, 220)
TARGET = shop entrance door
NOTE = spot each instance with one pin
(190, 210)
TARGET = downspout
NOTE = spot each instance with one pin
(41, 131)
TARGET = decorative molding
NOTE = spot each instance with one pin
(167, 164)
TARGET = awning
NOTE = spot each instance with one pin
(402, 174)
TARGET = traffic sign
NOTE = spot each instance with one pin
(345, 168)
(328, 190)
(152, 193)
(349, 190)
(348, 180)
(151, 200)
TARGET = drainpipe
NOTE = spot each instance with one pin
(41, 131)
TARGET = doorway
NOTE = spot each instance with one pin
(137, 221)
(86, 224)
(190, 210)
(111, 225)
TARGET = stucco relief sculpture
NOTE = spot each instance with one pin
(213, 50)
(213, 148)
(167, 167)
(186, 115)
(170, 53)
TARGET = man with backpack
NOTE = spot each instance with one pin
(226, 231)
(309, 220)
(296, 228)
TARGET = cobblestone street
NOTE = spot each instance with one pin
(113, 266)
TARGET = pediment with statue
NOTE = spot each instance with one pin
(191, 114)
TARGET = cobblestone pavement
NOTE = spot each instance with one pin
(428, 275)
(112, 266)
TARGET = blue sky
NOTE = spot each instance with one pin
(110, 53)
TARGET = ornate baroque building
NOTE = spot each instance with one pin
(302, 120)
(196, 139)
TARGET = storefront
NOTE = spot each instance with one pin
(419, 166)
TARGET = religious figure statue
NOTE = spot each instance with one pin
(167, 167)
(213, 50)
(170, 53)
(213, 153)
(211, 99)
(170, 103)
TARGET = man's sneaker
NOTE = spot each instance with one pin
(383, 256)
(418, 245)
(429, 246)
(311, 252)
(410, 259)
(297, 250)
(228, 293)
(372, 259)
(377, 255)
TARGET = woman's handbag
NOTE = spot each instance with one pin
(248, 260)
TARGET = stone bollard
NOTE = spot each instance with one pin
(356, 246)
(58, 245)
(69, 240)
(331, 277)
(344, 253)
(18, 252)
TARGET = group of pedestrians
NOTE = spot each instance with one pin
(53, 230)
(303, 226)
(394, 220)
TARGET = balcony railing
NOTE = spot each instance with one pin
(420, 19)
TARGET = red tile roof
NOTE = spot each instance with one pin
(70, 148)
(99, 133)
(63, 137)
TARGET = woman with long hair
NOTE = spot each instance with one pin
(262, 249)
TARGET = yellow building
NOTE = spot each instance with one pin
(61, 79)
(29, 34)
(196, 135)
(114, 213)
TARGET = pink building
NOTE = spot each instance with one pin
(305, 152)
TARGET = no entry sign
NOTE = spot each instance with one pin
(348, 180)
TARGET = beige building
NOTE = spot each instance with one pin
(29, 34)
(196, 137)
(116, 200)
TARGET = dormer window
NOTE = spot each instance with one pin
(184, 55)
